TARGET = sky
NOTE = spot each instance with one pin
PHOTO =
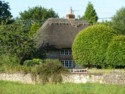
(105, 9)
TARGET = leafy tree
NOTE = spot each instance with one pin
(16, 42)
(89, 46)
(115, 55)
(90, 14)
(37, 14)
(107, 23)
(118, 21)
(5, 13)
(34, 17)
(35, 26)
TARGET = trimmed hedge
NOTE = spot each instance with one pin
(115, 56)
(90, 45)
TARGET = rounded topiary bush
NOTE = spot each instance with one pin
(115, 56)
(90, 44)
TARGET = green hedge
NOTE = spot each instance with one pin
(33, 62)
(115, 56)
(90, 45)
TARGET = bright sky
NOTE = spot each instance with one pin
(104, 8)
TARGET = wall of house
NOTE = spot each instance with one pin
(64, 55)
(57, 54)
(53, 54)
(108, 78)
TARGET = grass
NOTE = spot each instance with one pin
(102, 71)
(67, 88)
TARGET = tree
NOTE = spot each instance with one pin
(90, 45)
(90, 14)
(34, 17)
(35, 26)
(37, 14)
(115, 55)
(16, 42)
(5, 14)
(118, 21)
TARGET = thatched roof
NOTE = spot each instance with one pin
(59, 33)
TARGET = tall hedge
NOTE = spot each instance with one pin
(115, 56)
(90, 44)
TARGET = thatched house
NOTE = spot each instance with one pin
(59, 35)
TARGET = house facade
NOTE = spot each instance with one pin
(59, 34)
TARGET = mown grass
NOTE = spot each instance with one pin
(67, 88)
(102, 71)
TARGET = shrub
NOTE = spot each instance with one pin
(115, 55)
(32, 62)
(8, 62)
(49, 71)
(89, 46)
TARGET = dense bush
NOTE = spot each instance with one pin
(32, 62)
(49, 71)
(90, 45)
(115, 56)
(8, 62)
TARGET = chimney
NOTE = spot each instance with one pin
(70, 15)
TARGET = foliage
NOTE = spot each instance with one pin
(35, 17)
(37, 14)
(118, 21)
(65, 88)
(90, 14)
(24, 26)
(32, 62)
(49, 71)
(8, 62)
(90, 45)
(107, 23)
(5, 13)
(115, 55)
(13, 40)
(28, 27)
(34, 27)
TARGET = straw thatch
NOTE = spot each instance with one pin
(59, 33)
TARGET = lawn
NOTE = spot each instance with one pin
(102, 71)
(67, 88)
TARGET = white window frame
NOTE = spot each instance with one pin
(65, 52)
(68, 63)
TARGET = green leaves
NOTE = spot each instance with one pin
(34, 17)
(90, 14)
(15, 42)
(115, 55)
(33, 29)
(37, 14)
(5, 13)
(118, 21)
(90, 45)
